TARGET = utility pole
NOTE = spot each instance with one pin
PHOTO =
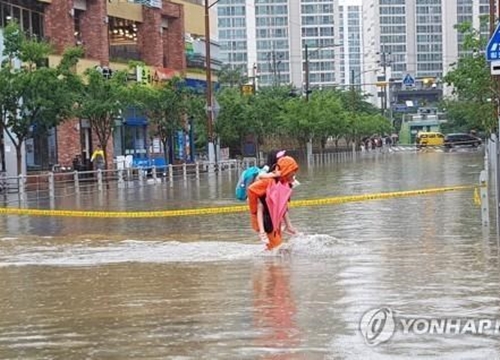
(352, 79)
(274, 67)
(354, 99)
(495, 97)
(254, 77)
(307, 71)
(384, 63)
(208, 72)
(306, 58)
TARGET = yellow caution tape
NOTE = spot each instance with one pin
(225, 209)
(477, 198)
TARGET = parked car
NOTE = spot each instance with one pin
(461, 139)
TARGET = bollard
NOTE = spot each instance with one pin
(20, 184)
(99, 180)
(153, 174)
(121, 181)
(77, 182)
(51, 185)
(197, 170)
(171, 174)
(141, 176)
(184, 172)
(486, 161)
(485, 211)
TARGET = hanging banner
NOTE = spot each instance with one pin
(180, 146)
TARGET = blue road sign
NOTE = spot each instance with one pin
(400, 108)
(408, 80)
(493, 47)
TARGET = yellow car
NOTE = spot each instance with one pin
(430, 138)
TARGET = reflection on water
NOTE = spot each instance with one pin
(203, 288)
(274, 311)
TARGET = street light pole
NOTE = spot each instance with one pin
(307, 72)
(208, 72)
(306, 58)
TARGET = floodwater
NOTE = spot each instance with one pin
(202, 287)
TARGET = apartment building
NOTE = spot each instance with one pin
(417, 37)
(351, 35)
(268, 39)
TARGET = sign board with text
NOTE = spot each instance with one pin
(493, 47)
(150, 3)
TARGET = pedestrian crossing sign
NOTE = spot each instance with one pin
(408, 80)
(493, 47)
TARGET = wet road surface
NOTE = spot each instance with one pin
(202, 288)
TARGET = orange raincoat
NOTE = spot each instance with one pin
(257, 192)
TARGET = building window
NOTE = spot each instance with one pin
(28, 14)
(123, 40)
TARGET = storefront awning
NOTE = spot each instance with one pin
(164, 74)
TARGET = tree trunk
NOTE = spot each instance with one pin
(323, 144)
(19, 158)
(164, 142)
(104, 150)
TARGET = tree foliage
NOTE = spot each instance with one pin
(101, 101)
(167, 108)
(329, 114)
(32, 97)
(230, 76)
(474, 91)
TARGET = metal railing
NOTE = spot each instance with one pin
(51, 185)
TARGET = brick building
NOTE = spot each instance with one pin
(112, 32)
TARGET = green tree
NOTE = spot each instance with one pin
(101, 101)
(368, 125)
(474, 91)
(196, 111)
(231, 76)
(316, 119)
(242, 115)
(166, 107)
(32, 97)
(265, 111)
(298, 120)
(232, 124)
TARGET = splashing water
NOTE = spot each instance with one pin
(88, 253)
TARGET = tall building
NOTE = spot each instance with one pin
(351, 33)
(417, 37)
(268, 39)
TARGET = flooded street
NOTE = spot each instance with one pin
(201, 287)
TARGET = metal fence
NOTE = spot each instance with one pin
(59, 184)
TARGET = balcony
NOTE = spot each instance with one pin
(195, 53)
